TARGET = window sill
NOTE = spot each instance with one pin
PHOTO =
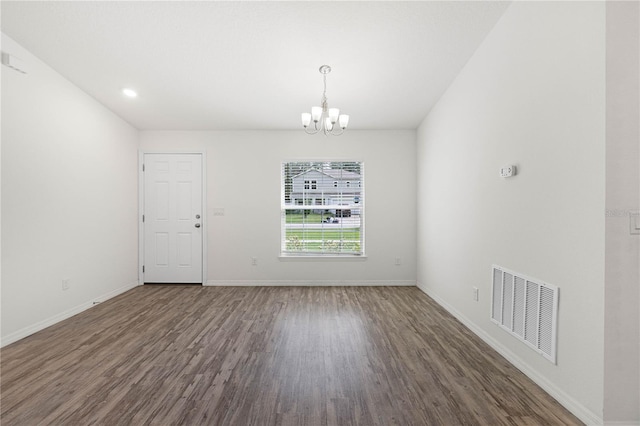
(316, 258)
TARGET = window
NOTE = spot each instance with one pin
(330, 220)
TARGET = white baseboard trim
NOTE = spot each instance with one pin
(623, 423)
(307, 283)
(578, 410)
(41, 325)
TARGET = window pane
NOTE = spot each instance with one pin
(322, 210)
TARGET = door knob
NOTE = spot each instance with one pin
(197, 225)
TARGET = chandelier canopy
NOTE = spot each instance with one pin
(325, 118)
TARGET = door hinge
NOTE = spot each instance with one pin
(143, 167)
(143, 218)
(143, 269)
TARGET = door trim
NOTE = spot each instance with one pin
(205, 224)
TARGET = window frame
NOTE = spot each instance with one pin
(343, 247)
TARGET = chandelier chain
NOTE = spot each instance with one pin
(324, 92)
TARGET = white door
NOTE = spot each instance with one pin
(172, 218)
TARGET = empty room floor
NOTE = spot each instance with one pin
(197, 355)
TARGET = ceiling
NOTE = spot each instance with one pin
(208, 65)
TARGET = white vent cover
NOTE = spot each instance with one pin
(527, 308)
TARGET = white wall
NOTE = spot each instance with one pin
(251, 201)
(622, 266)
(532, 95)
(69, 198)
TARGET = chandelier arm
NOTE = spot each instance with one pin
(312, 132)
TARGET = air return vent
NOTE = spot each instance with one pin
(527, 308)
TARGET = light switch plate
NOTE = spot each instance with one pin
(507, 171)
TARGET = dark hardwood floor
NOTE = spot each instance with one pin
(196, 355)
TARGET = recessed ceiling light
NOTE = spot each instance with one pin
(129, 93)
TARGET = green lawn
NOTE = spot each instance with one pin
(348, 234)
(332, 238)
(310, 218)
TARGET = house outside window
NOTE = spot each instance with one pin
(322, 213)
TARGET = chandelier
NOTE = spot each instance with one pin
(323, 117)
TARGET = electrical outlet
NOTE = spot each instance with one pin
(398, 261)
(475, 293)
(254, 261)
(65, 284)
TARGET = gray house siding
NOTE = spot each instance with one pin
(327, 187)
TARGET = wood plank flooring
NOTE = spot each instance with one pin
(191, 355)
